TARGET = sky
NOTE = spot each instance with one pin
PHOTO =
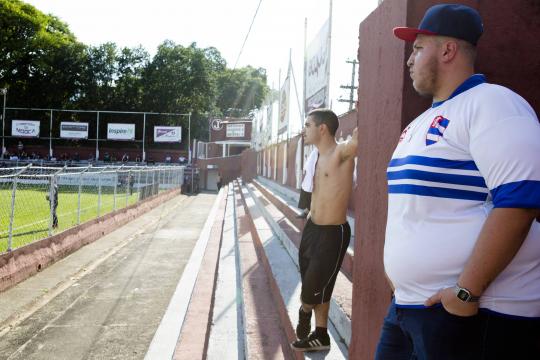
(278, 29)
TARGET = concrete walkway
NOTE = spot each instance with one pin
(106, 300)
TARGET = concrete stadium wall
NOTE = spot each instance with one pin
(230, 168)
(387, 103)
(249, 165)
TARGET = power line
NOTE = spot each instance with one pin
(247, 35)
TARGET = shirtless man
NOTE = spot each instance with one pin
(326, 234)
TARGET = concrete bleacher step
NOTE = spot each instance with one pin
(282, 256)
(341, 304)
(226, 338)
(245, 322)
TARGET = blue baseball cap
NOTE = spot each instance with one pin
(453, 20)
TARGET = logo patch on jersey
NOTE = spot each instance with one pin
(436, 130)
(403, 133)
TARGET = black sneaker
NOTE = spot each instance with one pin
(304, 324)
(313, 342)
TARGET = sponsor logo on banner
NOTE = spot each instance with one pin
(317, 101)
(25, 128)
(236, 130)
(73, 130)
(121, 131)
(167, 133)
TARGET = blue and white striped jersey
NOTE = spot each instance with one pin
(458, 160)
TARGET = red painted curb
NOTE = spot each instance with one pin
(274, 289)
(193, 340)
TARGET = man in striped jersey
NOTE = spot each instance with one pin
(462, 249)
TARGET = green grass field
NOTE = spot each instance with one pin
(32, 212)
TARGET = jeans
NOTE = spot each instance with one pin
(434, 334)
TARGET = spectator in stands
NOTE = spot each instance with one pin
(76, 157)
(52, 198)
(125, 157)
(20, 147)
(326, 235)
(106, 157)
(307, 184)
(138, 158)
(219, 179)
(168, 159)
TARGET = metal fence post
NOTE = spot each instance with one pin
(12, 214)
(153, 181)
(51, 204)
(127, 187)
(139, 184)
(115, 184)
(99, 194)
(160, 182)
(79, 199)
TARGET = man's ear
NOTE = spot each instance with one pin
(449, 50)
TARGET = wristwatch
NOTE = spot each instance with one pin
(465, 295)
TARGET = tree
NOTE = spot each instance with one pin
(41, 59)
(129, 90)
(241, 91)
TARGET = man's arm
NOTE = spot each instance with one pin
(501, 237)
(347, 150)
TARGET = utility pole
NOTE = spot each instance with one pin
(351, 87)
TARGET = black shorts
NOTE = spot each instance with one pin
(305, 200)
(321, 253)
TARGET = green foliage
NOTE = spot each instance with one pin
(241, 90)
(41, 59)
(43, 65)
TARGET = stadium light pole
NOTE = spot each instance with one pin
(4, 92)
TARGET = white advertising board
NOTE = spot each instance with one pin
(318, 69)
(25, 128)
(235, 130)
(167, 133)
(121, 131)
(73, 130)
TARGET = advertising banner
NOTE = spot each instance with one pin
(121, 131)
(318, 69)
(25, 128)
(167, 133)
(236, 130)
(73, 130)
(283, 121)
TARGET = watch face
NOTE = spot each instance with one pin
(463, 295)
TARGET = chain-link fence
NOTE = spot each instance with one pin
(37, 202)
